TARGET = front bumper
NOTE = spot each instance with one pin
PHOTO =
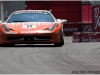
(30, 38)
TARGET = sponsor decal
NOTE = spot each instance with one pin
(76, 40)
(86, 28)
(26, 32)
(30, 24)
(90, 39)
(69, 29)
(38, 31)
(14, 24)
(86, 37)
(16, 13)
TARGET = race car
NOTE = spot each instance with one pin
(32, 26)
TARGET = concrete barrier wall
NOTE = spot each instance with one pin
(77, 27)
(86, 37)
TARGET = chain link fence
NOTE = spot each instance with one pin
(11, 6)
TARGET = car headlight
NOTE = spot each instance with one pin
(6, 28)
(51, 28)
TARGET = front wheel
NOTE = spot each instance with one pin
(59, 44)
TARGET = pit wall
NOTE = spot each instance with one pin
(93, 36)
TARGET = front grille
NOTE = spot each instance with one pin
(29, 38)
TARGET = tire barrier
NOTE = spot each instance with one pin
(86, 37)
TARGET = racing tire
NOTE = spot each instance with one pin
(59, 44)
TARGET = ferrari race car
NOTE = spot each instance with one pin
(32, 26)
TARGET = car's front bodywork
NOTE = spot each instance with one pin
(38, 33)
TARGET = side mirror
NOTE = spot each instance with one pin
(63, 21)
(50, 10)
(58, 20)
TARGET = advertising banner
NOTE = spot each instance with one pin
(70, 28)
(86, 37)
(77, 27)
(85, 27)
(96, 18)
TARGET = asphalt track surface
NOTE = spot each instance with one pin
(46, 59)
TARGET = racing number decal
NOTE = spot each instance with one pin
(29, 26)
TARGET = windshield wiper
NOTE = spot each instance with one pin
(19, 21)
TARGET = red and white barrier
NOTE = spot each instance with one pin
(77, 27)
(76, 37)
(86, 37)
(90, 33)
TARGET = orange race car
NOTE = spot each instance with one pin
(32, 26)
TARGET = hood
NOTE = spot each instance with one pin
(24, 26)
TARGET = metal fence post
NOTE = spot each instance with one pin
(2, 11)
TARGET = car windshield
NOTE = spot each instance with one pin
(30, 17)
